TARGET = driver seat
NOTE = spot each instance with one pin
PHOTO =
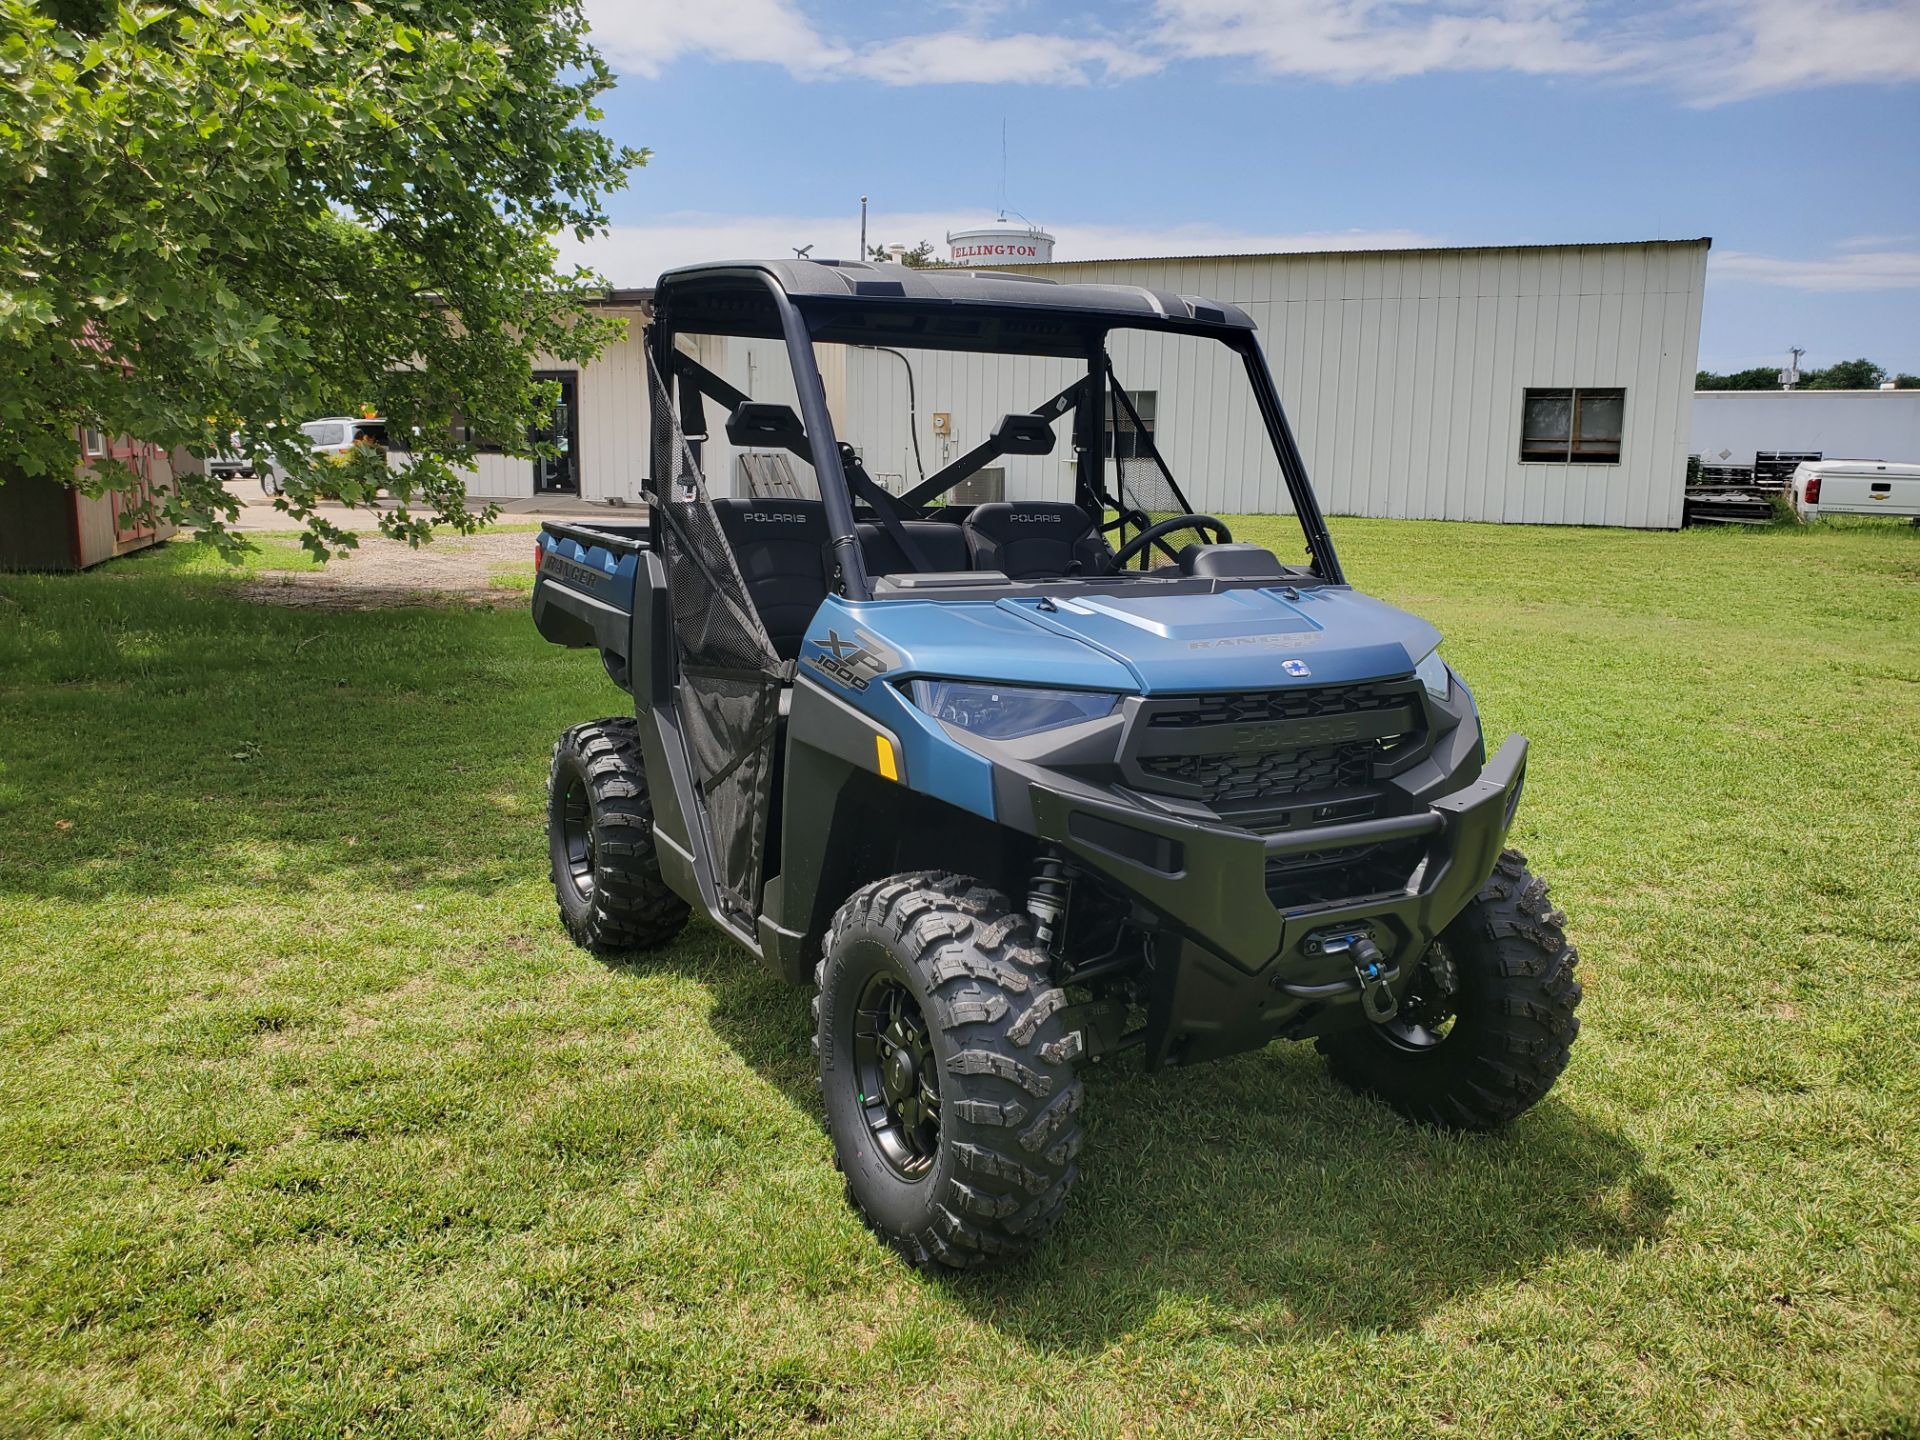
(1036, 540)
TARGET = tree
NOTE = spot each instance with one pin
(920, 257)
(236, 215)
(1761, 377)
(1845, 375)
(1904, 381)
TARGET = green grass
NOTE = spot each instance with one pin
(311, 1122)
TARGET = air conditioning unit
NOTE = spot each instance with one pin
(986, 484)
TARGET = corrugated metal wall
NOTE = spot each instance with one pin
(612, 396)
(1403, 371)
(1402, 374)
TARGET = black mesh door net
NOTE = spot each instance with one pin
(729, 695)
(1147, 492)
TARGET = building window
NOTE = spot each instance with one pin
(1572, 427)
(94, 442)
(1123, 441)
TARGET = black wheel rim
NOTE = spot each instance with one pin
(576, 834)
(1429, 1010)
(897, 1075)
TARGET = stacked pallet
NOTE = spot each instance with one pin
(1739, 494)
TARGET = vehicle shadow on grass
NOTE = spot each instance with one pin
(163, 736)
(1255, 1198)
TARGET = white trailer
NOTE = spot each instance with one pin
(1731, 426)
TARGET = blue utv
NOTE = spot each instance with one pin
(1021, 763)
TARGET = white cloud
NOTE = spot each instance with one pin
(1765, 47)
(957, 57)
(1710, 51)
(1872, 242)
(1854, 270)
(643, 37)
(1369, 40)
(633, 255)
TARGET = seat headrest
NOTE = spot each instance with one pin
(746, 518)
(1010, 520)
(756, 423)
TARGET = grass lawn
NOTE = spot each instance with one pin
(311, 1121)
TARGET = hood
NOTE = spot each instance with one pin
(1265, 639)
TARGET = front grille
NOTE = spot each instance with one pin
(1260, 706)
(1229, 779)
(1269, 747)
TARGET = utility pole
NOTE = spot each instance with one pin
(863, 229)
(1790, 376)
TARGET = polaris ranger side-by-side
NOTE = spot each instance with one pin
(1019, 783)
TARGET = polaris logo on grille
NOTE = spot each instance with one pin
(1296, 668)
(1294, 734)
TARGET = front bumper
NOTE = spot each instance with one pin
(1233, 967)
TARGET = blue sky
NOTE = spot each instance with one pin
(1788, 130)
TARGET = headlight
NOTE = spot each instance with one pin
(1007, 712)
(1432, 672)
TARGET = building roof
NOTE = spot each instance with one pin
(851, 301)
(1703, 241)
(839, 279)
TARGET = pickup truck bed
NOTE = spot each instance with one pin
(1855, 487)
(584, 591)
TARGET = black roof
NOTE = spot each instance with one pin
(856, 302)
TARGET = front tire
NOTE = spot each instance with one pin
(946, 1072)
(1488, 1021)
(606, 875)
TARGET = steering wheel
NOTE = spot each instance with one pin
(1205, 524)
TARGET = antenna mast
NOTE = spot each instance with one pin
(1003, 167)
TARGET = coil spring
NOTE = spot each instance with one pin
(1047, 893)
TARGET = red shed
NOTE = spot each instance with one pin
(45, 525)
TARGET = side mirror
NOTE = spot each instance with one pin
(1023, 434)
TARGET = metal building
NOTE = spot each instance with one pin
(1546, 384)
(1451, 384)
(600, 424)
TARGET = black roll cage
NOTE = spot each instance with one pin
(798, 323)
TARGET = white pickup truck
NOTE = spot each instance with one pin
(1855, 487)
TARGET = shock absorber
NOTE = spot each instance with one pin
(1048, 890)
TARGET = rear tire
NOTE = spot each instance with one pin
(961, 1153)
(1482, 1053)
(606, 875)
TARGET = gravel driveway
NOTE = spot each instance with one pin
(476, 570)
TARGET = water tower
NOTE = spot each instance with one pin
(1001, 242)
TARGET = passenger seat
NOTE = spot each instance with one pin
(780, 548)
(942, 545)
(1036, 540)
